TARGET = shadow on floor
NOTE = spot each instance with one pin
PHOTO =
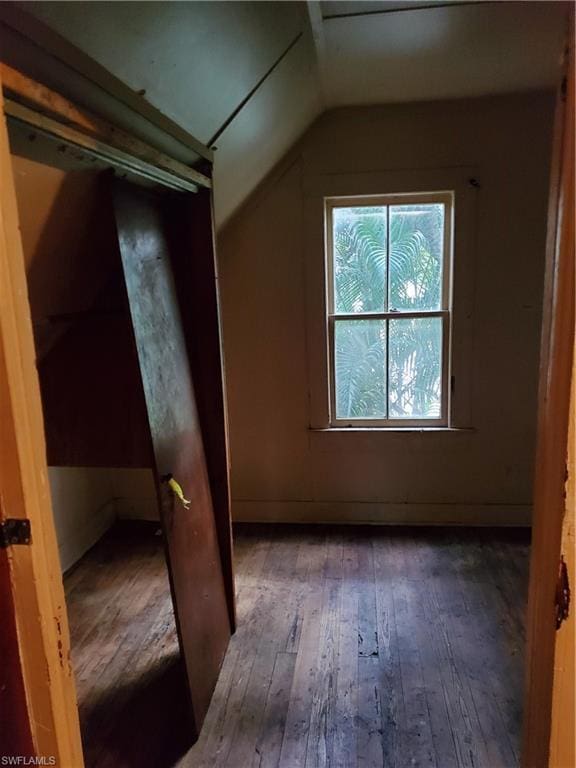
(152, 726)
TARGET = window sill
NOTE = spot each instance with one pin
(391, 430)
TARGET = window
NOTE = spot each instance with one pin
(389, 309)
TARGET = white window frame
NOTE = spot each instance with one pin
(445, 312)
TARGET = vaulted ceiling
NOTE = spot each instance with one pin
(250, 77)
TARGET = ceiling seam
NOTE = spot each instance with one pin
(251, 93)
(412, 7)
(319, 43)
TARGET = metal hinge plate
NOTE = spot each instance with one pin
(14, 531)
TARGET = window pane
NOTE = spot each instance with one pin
(416, 247)
(415, 367)
(360, 369)
(359, 242)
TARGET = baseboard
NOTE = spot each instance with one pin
(381, 513)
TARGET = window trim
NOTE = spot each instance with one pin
(445, 197)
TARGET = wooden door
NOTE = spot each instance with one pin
(557, 346)
(193, 555)
(562, 733)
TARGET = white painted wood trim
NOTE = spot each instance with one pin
(319, 187)
(381, 513)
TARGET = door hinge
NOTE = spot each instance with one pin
(562, 594)
(14, 531)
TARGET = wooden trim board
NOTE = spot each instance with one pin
(379, 513)
(553, 417)
(49, 112)
(35, 578)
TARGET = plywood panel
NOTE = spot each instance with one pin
(197, 284)
(189, 527)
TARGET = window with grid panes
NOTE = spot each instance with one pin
(389, 306)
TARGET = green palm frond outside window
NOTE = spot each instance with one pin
(388, 259)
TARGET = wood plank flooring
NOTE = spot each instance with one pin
(129, 677)
(356, 648)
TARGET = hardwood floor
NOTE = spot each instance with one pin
(355, 647)
(129, 678)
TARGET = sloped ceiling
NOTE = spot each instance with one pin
(441, 52)
(250, 77)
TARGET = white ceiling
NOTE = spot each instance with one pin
(195, 60)
(442, 52)
(199, 61)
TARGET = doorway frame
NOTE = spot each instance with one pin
(35, 579)
(556, 358)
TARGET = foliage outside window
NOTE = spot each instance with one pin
(389, 308)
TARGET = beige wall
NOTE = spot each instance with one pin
(87, 500)
(83, 509)
(282, 470)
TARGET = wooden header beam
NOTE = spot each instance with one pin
(33, 104)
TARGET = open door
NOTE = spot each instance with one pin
(192, 549)
(563, 736)
(557, 347)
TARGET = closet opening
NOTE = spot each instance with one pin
(131, 682)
